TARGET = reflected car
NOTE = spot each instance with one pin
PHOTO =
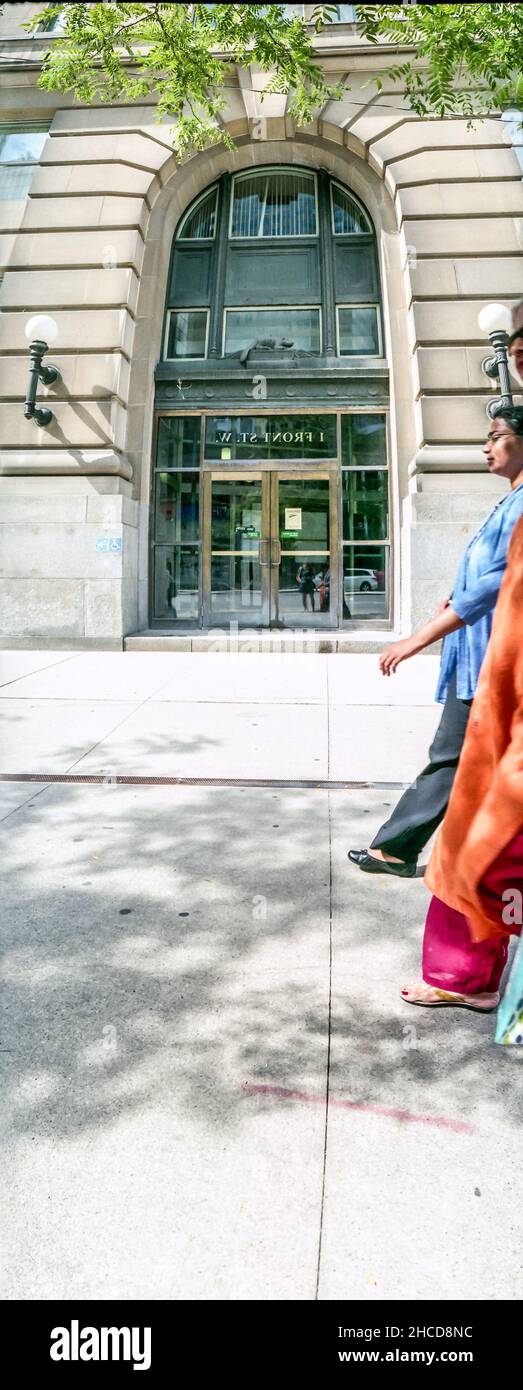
(360, 581)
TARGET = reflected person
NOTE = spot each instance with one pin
(305, 581)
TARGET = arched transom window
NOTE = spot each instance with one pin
(279, 257)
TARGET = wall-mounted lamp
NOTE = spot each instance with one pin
(39, 331)
(495, 319)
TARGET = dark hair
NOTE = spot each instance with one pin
(513, 417)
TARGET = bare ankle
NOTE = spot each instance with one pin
(382, 854)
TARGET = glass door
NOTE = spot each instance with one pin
(268, 540)
(236, 549)
(303, 519)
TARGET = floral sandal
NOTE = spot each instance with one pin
(431, 997)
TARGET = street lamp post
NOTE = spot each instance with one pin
(495, 320)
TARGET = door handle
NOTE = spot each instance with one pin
(264, 556)
(275, 560)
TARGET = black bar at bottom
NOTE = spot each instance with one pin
(165, 1341)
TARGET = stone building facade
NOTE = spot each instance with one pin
(271, 409)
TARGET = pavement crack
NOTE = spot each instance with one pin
(108, 732)
(21, 804)
(41, 669)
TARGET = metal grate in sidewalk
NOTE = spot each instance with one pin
(135, 780)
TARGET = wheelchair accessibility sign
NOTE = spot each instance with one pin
(109, 544)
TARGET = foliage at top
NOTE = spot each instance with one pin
(183, 55)
(451, 59)
(469, 58)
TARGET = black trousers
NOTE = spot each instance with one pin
(422, 807)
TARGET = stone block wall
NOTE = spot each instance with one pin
(68, 561)
(90, 245)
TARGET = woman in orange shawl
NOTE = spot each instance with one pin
(476, 868)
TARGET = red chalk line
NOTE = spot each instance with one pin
(405, 1116)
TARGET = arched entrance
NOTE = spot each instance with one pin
(270, 499)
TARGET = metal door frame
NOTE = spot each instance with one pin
(252, 473)
(282, 473)
(270, 474)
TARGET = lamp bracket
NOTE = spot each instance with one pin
(37, 372)
(496, 368)
(490, 367)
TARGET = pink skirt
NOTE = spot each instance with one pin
(451, 959)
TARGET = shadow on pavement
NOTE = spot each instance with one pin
(167, 945)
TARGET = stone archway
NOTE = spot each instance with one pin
(171, 192)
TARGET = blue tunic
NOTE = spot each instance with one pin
(475, 596)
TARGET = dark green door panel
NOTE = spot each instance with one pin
(261, 274)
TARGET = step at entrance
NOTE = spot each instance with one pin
(275, 643)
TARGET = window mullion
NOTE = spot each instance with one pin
(327, 266)
(263, 207)
(219, 269)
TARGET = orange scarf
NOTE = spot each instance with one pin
(485, 810)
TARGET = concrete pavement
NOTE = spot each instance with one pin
(192, 973)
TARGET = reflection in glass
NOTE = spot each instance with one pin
(22, 145)
(53, 25)
(187, 333)
(304, 577)
(513, 122)
(236, 514)
(348, 217)
(252, 437)
(236, 588)
(304, 513)
(19, 155)
(176, 517)
(236, 521)
(176, 574)
(335, 14)
(363, 440)
(277, 203)
(298, 328)
(365, 581)
(200, 224)
(15, 180)
(344, 14)
(365, 504)
(359, 335)
(304, 590)
(178, 441)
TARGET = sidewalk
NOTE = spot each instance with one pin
(193, 970)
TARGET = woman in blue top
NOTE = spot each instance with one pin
(464, 620)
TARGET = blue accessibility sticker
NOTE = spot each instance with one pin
(109, 544)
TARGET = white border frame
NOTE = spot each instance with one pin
(183, 309)
(259, 171)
